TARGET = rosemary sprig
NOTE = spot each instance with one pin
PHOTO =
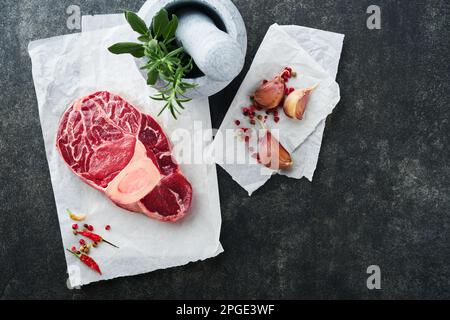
(166, 61)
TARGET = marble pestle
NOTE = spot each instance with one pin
(215, 52)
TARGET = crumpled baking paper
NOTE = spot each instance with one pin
(315, 55)
(68, 67)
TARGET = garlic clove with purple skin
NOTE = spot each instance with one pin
(270, 94)
(271, 153)
(296, 103)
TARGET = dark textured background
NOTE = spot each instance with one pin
(380, 194)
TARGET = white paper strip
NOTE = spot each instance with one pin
(68, 67)
(314, 54)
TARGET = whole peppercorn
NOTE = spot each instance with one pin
(84, 248)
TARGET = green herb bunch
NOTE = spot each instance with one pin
(166, 60)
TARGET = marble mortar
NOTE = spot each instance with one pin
(213, 33)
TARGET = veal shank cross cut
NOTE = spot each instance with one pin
(125, 154)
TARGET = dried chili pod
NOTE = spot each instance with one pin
(88, 261)
(95, 237)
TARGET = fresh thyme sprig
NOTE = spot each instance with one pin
(166, 60)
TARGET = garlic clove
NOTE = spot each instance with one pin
(270, 94)
(296, 102)
(285, 159)
(271, 153)
(76, 217)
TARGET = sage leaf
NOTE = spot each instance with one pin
(160, 23)
(136, 23)
(151, 49)
(152, 77)
(171, 29)
(135, 49)
(145, 38)
(153, 44)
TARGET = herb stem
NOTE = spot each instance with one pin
(166, 61)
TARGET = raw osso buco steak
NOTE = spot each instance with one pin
(125, 154)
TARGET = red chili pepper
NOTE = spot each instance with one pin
(95, 237)
(90, 263)
(87, 261)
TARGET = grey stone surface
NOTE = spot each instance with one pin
(380, 194)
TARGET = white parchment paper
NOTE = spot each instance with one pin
(315, 55)
(72, 66)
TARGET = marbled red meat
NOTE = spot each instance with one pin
(125, 154)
